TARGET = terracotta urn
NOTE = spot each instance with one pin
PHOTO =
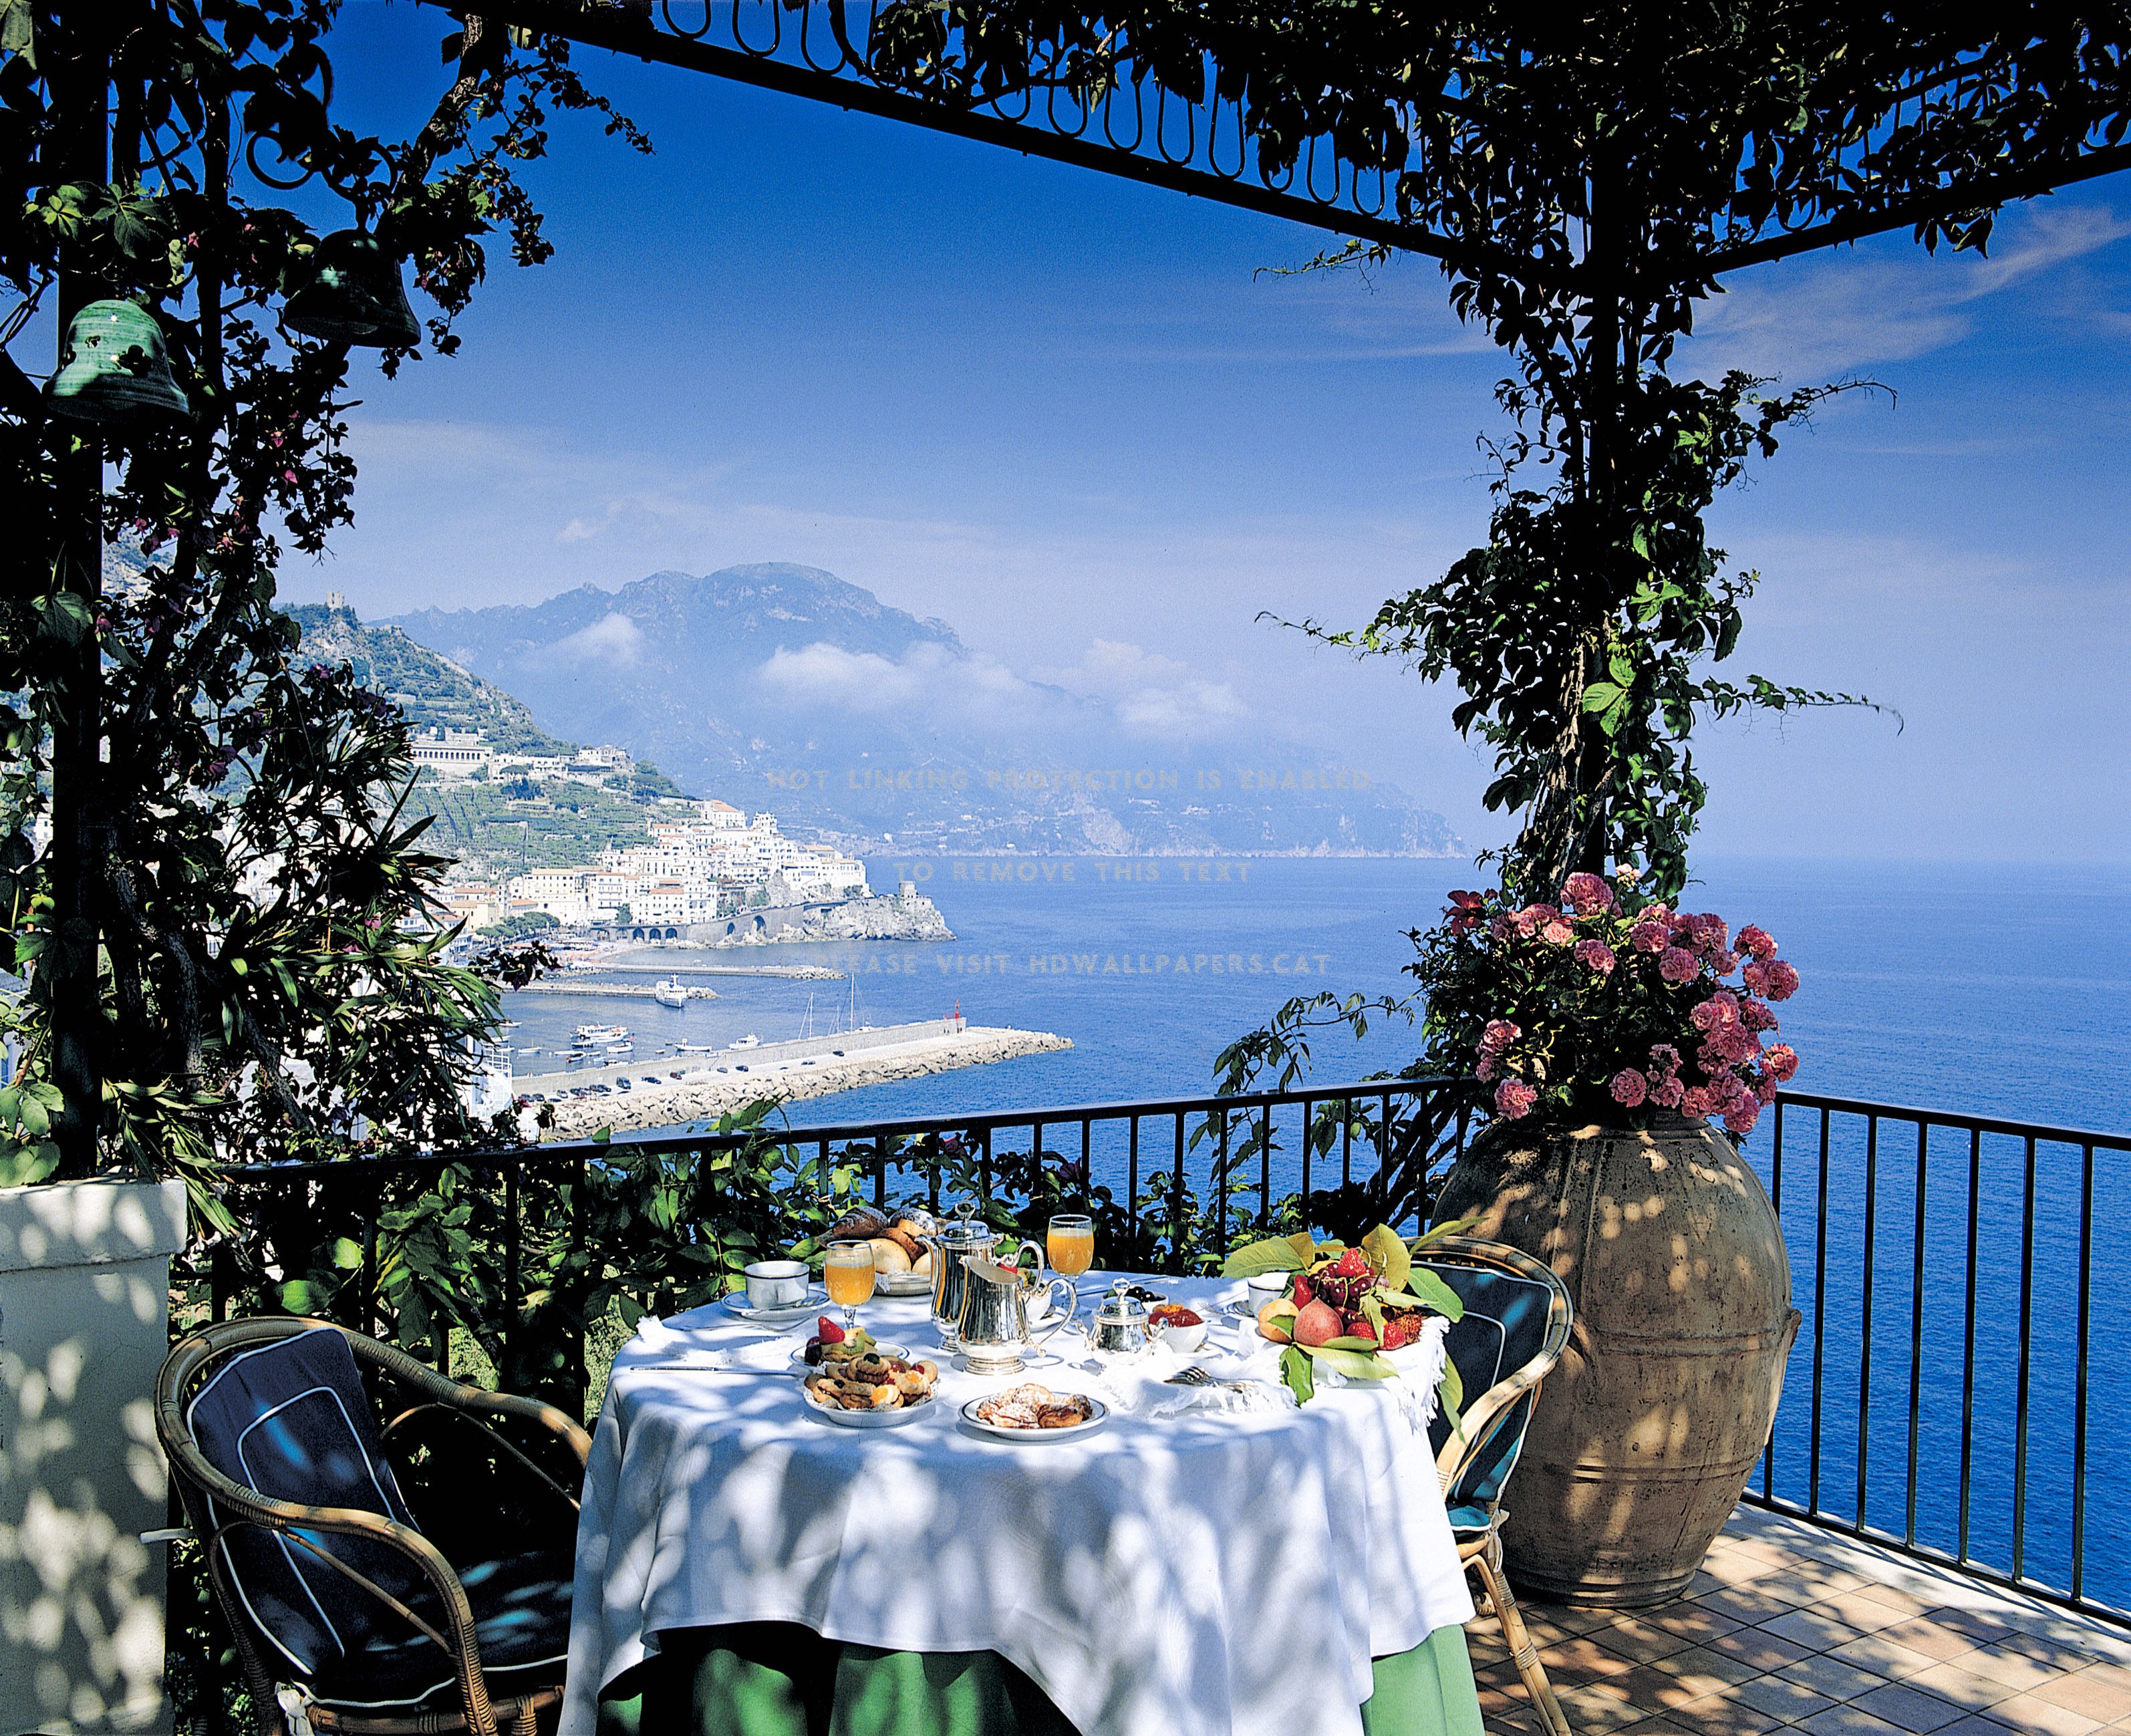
(1647, 1430)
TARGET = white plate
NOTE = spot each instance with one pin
(800, 1363)
(999, 1432)
(903, 1284)
(816, 1302)
(843, 1418)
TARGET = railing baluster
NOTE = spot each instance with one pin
(512, 1233)
(1917, 1332)
(1347, 1142)
(2078, 1371)
(1308, 1139)
(1177, 1221)
(1776, 1205)
(1264, 1171)
(1968, 1335)
(1087, 1158)
(2020, 1406)
(1819, 1322)
(1865, 1310)
(370, 1258)
(1221, 1190)
(1132, 1184)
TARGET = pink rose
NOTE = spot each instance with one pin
(1739, 1122)
(1498, 1035)
(1724, 963)
(1649, 937)
(1782, 1061)
(1757, 941)
(1755, 1016)
(1514, 1099)
(1500, 930)
(1629, 1087)
(1529, 919)
(1557, 933)
(1782, 980)
(1668, 1094)
(1596, 953)
(1764, 1089)
(1695, 1104)
(1664, 1059)
(1675, 964)
(1586, 894)
(1486, 1071)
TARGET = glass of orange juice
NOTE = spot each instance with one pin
(847, 1270)
(1069, 1244)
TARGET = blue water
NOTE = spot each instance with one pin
(1993, 990)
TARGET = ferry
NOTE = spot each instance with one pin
(670, 993)
(591, 1036)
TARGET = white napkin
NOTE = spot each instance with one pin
(683, 1339)
(1139, 1386)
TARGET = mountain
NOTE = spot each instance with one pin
(785, 688)
(433, 691)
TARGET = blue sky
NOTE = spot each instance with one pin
(1072, 417)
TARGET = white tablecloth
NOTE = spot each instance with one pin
(1192, 1574)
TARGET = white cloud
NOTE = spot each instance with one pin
(1837, 314)
(614, 640)
(1149, 693)
(925, 676)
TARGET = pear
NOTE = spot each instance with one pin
(1273, 1319)
(1318, 1324)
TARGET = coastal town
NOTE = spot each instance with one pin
(698, 862)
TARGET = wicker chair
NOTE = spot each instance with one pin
(1517, 1317)
(347, 1617)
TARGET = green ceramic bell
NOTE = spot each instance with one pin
(353, 295)
(114, 371)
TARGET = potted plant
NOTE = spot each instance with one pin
(1612, 1032)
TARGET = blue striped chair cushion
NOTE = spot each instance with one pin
(1504, 1328)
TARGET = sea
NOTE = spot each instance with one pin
(1999, 990)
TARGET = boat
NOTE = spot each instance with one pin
(615, 1051)
(591, 1036)
(670, 993)
(750, 1041)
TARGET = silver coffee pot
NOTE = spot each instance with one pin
(993, 1330)
(966, 1237)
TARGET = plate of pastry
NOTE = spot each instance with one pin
(1032, 1411)
(872, 1391)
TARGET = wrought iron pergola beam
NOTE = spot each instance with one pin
(630, 31)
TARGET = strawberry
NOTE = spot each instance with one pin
(1403, 1328)
(827, 1330)
(1303, 1291)
(1351, 1264)
(1358, 1327)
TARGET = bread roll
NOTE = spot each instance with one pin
(888, 1256)
(904, 1241)
(860, 1225)
(922, 1266)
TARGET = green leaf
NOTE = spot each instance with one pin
(1601, 695)
(630, 1310)
(17, 33)
(1435, 1293)
(301, 1296)
(1278, 1254)
(1295, 1370)
(1450, 1392)
(347, 1254)
(1361, 1364)
(1346, 1341)
(1385, 1251)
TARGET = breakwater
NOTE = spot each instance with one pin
(622, 990)
(671, 967)
(711, 1085)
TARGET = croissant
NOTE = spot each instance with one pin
(861, 1225)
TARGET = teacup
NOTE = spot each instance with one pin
(776, 1283)
(1267, 1287)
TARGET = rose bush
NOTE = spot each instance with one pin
(1605, 1004)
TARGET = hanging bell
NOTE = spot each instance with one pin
(114, 371)
(353, 295)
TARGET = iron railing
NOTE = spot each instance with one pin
(1955, 1292)
(1945, 1387)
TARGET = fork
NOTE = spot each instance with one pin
(1195, 1376)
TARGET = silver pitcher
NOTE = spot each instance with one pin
(993, 1330)
(1121, 1326)
(965, 1237)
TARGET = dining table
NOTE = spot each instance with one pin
(1207, 1560)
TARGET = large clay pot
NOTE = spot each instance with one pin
(1648, 1427)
